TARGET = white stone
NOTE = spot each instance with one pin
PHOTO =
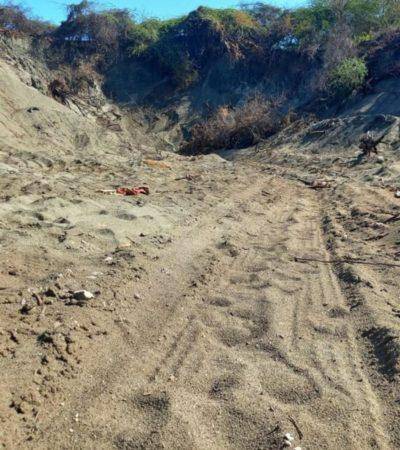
(83, 295)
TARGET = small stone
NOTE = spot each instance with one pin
(83, 295)
(380, 159)
(137, 296)
(397, 194)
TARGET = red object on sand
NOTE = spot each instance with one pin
(133, 191)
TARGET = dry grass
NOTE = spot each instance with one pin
(241, 127)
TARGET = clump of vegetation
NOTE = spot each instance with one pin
(14, 18)
(89, 31)
(183, 47)
(347, 77)
(241, 127)
(230, 20)
(147, 33)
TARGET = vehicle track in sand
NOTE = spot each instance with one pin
(236, 343)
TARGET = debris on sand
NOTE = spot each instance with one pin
(133, 191)
(320, 184)
(368, 144)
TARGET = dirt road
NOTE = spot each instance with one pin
(204, 331)
(222, 341)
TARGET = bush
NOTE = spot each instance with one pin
(347, 77)
(241, 127)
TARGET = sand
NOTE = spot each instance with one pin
(205, 330)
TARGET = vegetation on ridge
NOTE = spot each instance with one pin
(327, 31)
(323, 50)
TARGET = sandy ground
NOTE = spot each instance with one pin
(215, 322)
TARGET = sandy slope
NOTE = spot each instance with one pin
(205, 332)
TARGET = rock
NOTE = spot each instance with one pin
(83, 295)
(380, 159)
(50, 293)
(137, 296)
(287, 440)
(397, 194)
(289, 437)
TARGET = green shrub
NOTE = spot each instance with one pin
(347, 77)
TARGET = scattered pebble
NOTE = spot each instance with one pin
(83, 295)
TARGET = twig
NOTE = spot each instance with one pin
(346, 260)
(277, 428)
(376, 238)
(394, 218)
(318, 132)
(299, 432)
